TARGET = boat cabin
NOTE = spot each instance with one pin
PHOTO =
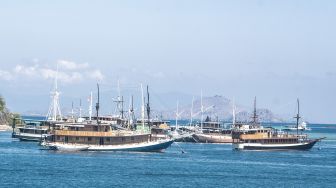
(96, 134)
(264, 136)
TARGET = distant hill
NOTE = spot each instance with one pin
(221, 107)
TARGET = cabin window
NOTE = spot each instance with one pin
(108, 139)
(132, 138)
(58, 138)
(77, 138)
(89, 139)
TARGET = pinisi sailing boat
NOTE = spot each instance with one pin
(102, 137)
(32, 130)
(211, 131)
(255, 137)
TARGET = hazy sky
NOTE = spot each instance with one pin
(275, 50)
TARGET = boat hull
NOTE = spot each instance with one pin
(257, 146)
(294, 129)
(69, 148)
(156, 146)
(30, 137)
(210, 138)
(185, 137)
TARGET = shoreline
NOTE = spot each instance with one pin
(5, 128)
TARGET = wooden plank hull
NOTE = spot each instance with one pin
(154, 146)
(257, 146)
(212, 138)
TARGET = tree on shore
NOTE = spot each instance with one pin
(2, 104)
(4, 112)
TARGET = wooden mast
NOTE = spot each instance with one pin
(131, 114)
(202, 111)
(142, 108)
(97, 105)
(148, 110)
(191, 111)
(297, 117)
(233, 114)
(255, 116)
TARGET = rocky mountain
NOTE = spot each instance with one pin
(221, 107)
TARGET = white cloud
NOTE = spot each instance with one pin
(5, 75)
(158, 75)
(66, 77)
(70, 65)
(69, 72)
(28, 71)
(96, 74)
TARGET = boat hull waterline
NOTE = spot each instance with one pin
(205, 138)
(258, 146)
(30, 137)
(156, 146)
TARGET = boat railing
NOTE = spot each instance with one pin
(93, 134)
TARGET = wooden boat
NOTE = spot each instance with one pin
(255, 137)
(212, 138)
(248, 137)
(212, 132)
(101, 137)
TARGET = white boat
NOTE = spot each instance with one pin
(31, 133)
(302, 127)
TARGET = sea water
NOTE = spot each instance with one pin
(23, 164)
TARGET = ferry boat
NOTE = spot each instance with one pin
(255, 137)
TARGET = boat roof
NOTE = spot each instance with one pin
(30, 128)
(81, 124)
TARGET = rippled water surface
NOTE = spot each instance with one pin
(22, 164)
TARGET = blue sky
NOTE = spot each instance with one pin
(275, 50)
